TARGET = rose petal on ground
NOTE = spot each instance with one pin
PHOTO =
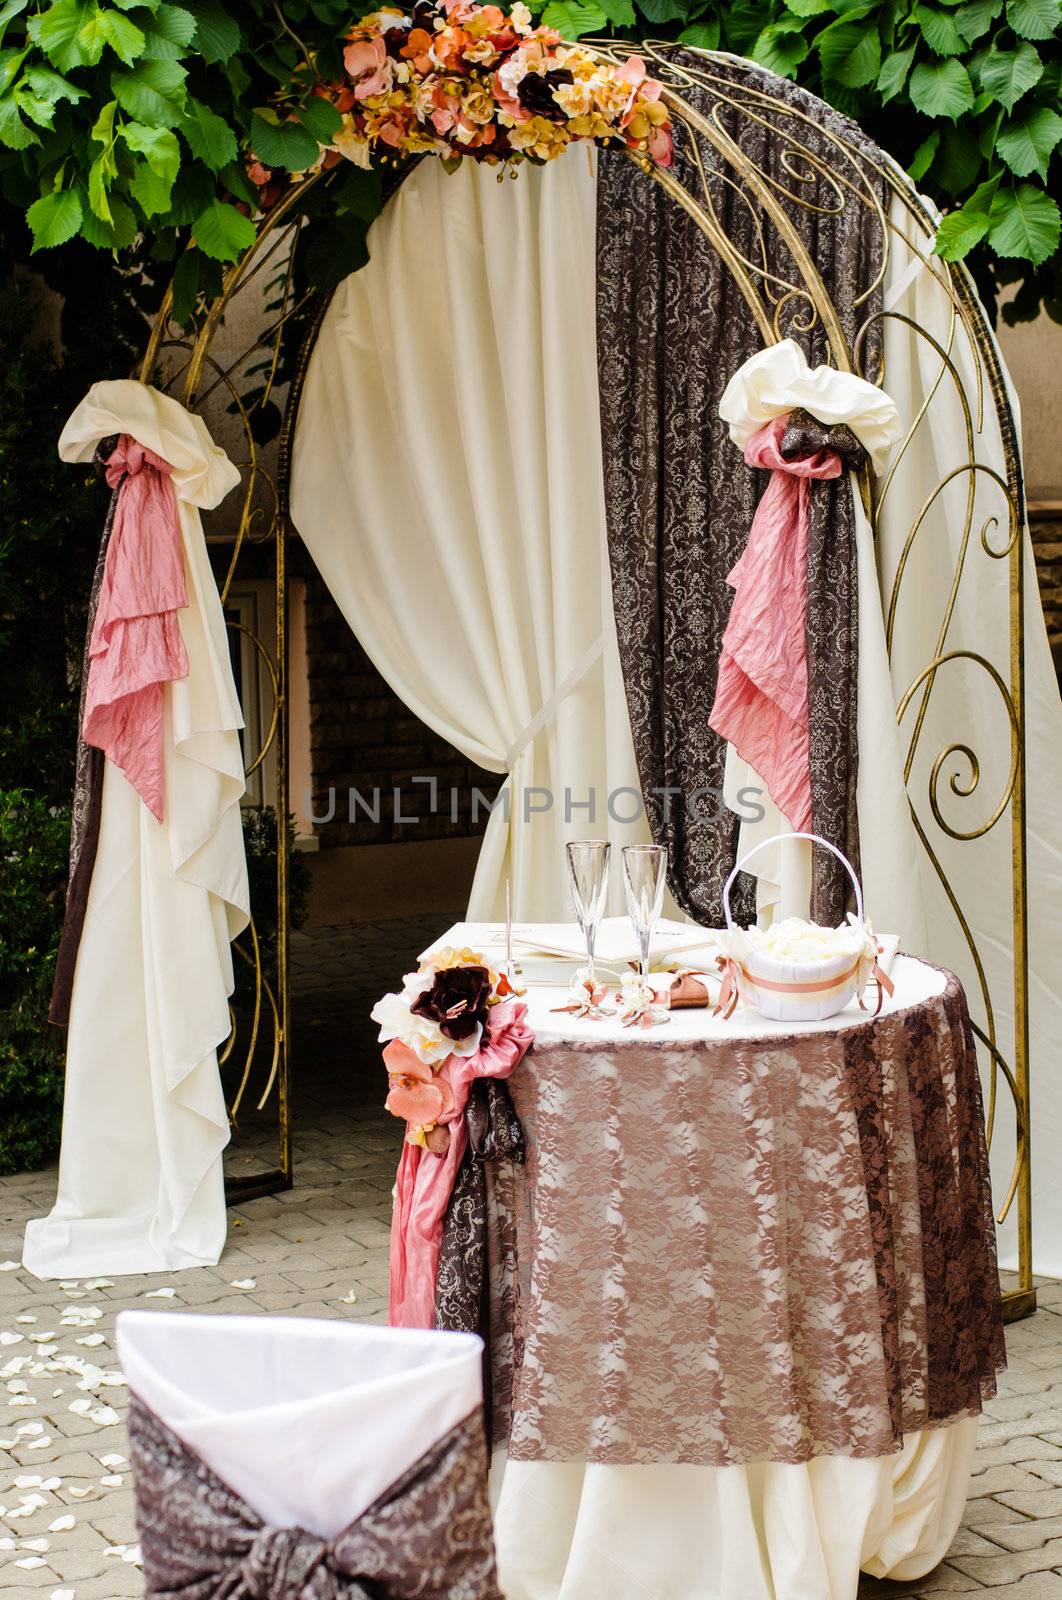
(61, 1524)
(92, 1340)
(159, 1294)
(112, 1480)
(244, 1283)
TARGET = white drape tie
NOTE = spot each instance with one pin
(548, 710)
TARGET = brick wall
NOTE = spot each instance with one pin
(363, 737)
(1045, 520)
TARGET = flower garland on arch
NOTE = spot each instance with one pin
(458, 79)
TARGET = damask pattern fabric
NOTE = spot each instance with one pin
(428, 1537)
(728, 1251)
(672, 328)
(88, 786)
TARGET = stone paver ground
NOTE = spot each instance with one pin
(66, 1503)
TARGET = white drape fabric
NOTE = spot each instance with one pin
(763, 1532)
(144, 1120)
(965, 705)
(447, 482)
(309, 1421)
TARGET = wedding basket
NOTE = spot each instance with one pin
(797, 971)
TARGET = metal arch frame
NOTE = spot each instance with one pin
(779, 304)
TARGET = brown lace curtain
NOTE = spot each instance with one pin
(672, 327)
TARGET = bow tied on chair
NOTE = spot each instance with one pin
(285, 1563)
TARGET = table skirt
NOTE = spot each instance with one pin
(769, 1531)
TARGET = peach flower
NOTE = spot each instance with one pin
(415, 1094)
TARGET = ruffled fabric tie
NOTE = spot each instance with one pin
(136, 645)
(761, 698)
(426, 1181)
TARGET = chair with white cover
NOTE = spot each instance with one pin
(284, 1458)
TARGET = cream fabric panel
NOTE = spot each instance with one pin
(762, 1532)
(144, 1120)
(966, 707)
(447, 482)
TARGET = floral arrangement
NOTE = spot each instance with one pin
(442, 1012)
(455, 79)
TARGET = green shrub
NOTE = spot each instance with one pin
(34, 840)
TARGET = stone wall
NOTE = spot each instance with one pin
(1045, 520)
(363, 738)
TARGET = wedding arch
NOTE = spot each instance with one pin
(962, 524)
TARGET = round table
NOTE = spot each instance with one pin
(743, 1300)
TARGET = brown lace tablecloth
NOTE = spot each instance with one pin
(728, 1249)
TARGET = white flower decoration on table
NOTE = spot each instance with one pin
(423, 1036)
(639, 1003)
(587, 999)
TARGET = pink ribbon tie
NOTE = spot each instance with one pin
(136, 643)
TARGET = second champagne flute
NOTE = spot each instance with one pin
(644, 872)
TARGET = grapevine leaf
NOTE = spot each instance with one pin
(209, 136)
(217, 31)
(152, 92)
(702, 35)
(1024, 222)
(619, 12)
(974, 19)
(850, 53)
(282, 144)
(321, 119)
(54, 219)
(780, 52)
(223, 232)
(14, 133)
(959, 232)
(1034, 19)
(171, 32)
(941, 88)
(1008, 74)
(922, 159)
(572, 19)
(939, 30)
(158, 146)
(893, 74)
(1028, 140)
(150, 189)
(123, 36)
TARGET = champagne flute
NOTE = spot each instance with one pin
(644, 872)
(588, 878)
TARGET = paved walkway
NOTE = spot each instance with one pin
(66, 1523)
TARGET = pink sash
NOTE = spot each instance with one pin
(136, 643)
(761, 697)
(425, 1181)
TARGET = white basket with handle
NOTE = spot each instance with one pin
(798, 991)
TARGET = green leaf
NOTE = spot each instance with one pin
(171, 32)
(8, 13)
(209, 136)
(193, 191)
(152, 92)
(321, 119)
(810, 8)
(958, 161)
(572, 19)
(659, 10)
(42, 112)
(158, 146)
(1034, 19)
(13, 131)
(619, 12)
(239, 185)
(922, 159)
(103, 127)
(1025, 222)
(54, 219)
(100, 172)
(217, 31)
(223, 232)
(334, 250)
(123, 36)
(939, 30)
(186, 285)
(286, 144)
(850, 53)
(780, 52)
(358, 192)
(1028, 140)
(893, 74)
(150, 189)
(118, 234)
(52, 85)
(974, 19)
(941, 88)
(57, 31)
(1008, 74)
(958, 233)
(702, 35)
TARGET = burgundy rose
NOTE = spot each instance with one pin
(535, 93)
(457, 1001)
